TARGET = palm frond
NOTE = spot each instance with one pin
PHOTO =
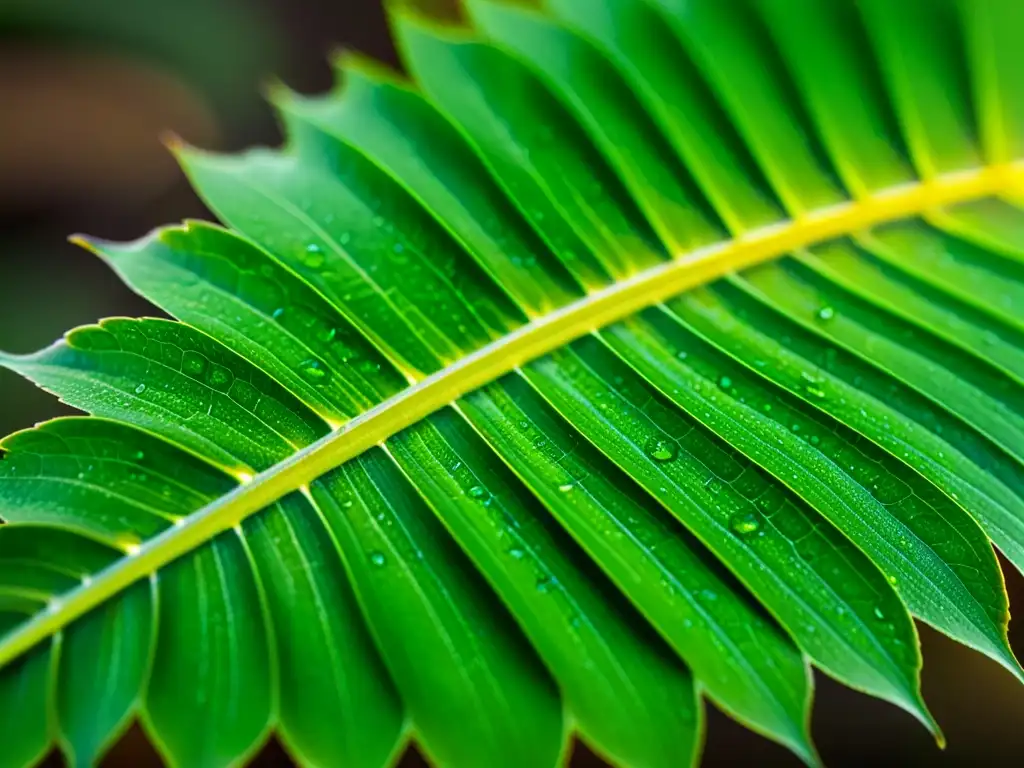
(632, 352)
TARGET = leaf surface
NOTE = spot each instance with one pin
(625, 354)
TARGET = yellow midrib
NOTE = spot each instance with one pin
(539, 337)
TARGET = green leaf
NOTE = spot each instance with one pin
(511, 406)
(210, 695)
(627, 693)
(930, 550)
(321, 644)
(846, 618)
(745, 663)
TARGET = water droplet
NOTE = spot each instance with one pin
(660, 449)
(892, 580)
(725, 382)
(516, 553)
(879, 614)
(314, 256)
(138, 455)
(566, 487)
(478, 492)
(377, 558)
(745, 523)
(314, 371)
(140, 389)
(543, 584)
(369, 366)
(826, 313)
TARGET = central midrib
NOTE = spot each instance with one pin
(489, 363)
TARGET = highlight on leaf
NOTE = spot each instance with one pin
(619, 357)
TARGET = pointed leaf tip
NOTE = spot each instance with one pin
(924, 715)
(174, 143)
(82, 241)
(802, 746)
(91, 244)
(277, 92)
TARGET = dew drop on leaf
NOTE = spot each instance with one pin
(745, 523)
(314, 256)
(566, 487)
(478, 492)
(516, 553)
(660, 449)
(314, 372)
(140, 389)
(377, 558)
(826, 313)
(138, 455)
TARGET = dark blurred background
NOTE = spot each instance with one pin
(87, 87)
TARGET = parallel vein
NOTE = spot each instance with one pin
(535, 339)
